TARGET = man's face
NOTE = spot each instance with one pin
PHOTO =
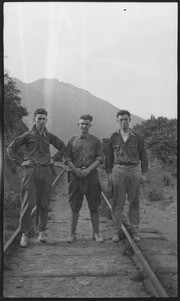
(84, 126)
(40, 121)
(124, 121)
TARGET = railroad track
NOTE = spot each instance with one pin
(154, 284)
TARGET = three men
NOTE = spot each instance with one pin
(83, 155)
(124, 154)
(37, 180)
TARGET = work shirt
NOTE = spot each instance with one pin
(37, 147)
(130, 152)
(82, 152)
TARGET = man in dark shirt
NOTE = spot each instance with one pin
(37, 178)
(125, 153)
(84, 154)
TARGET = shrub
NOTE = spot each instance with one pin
(160, 135)
(13, 111)
(155, 194)
(12, 204)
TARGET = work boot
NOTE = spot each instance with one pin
(117, 237)
(71, 238)
(74, 221)
(95, 225)
(135, 235)
(24, 240)
(42, 236)
(97, 237)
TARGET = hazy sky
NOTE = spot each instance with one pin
(124, 53)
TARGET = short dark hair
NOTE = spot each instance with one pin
(123, 112)
(86, 117)
(40, 111)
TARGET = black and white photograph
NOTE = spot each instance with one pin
(90, 108)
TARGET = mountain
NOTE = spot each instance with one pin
(65, 103)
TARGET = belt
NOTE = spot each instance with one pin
(41, 164)
(126, 164)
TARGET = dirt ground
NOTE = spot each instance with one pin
(158, 226)
(84, 269)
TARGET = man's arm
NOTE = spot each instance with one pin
(14, 146)
(143, 155)
(59, 145)
(69, 158)
(109, 157)
(98, 159)
(144, 159)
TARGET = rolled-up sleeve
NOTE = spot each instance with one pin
(99, 152)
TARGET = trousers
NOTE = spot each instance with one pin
(93, 193)
(126, 180)
(35, 189)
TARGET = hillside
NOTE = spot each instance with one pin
(65, 103)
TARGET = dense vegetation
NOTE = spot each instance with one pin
(13, 127)
(160, 135)
(13, 111)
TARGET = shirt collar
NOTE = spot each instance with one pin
(44, 133)
(130, 132)
(81, 136)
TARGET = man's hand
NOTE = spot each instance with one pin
(78, 171)
(27, 163)
(51, 161)
(84, 172)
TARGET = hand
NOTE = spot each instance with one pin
(84, 172)
(143, 179)
(27, 163)
(110, 177)
(51, 161)
(78, 171)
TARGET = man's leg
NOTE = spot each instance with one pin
(43, 199)
(118, 200)
(28, 196)
(74, 222)
(133, 193)
(94, 201)
(75, 200)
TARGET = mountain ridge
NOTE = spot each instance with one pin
(65, 104)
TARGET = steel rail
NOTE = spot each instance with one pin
(158, 289)
(16, 232)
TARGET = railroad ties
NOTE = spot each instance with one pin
(84, 269)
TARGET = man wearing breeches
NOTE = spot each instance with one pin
(125, 153)
(37, 175)
(84, 154)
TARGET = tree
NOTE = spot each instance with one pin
(160, 135)
(13, 111)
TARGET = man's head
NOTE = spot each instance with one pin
(40, 118)
(123, 118)
(85, 123)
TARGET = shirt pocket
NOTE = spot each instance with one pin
(91, 152)
(116, 147)
(31, 143)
